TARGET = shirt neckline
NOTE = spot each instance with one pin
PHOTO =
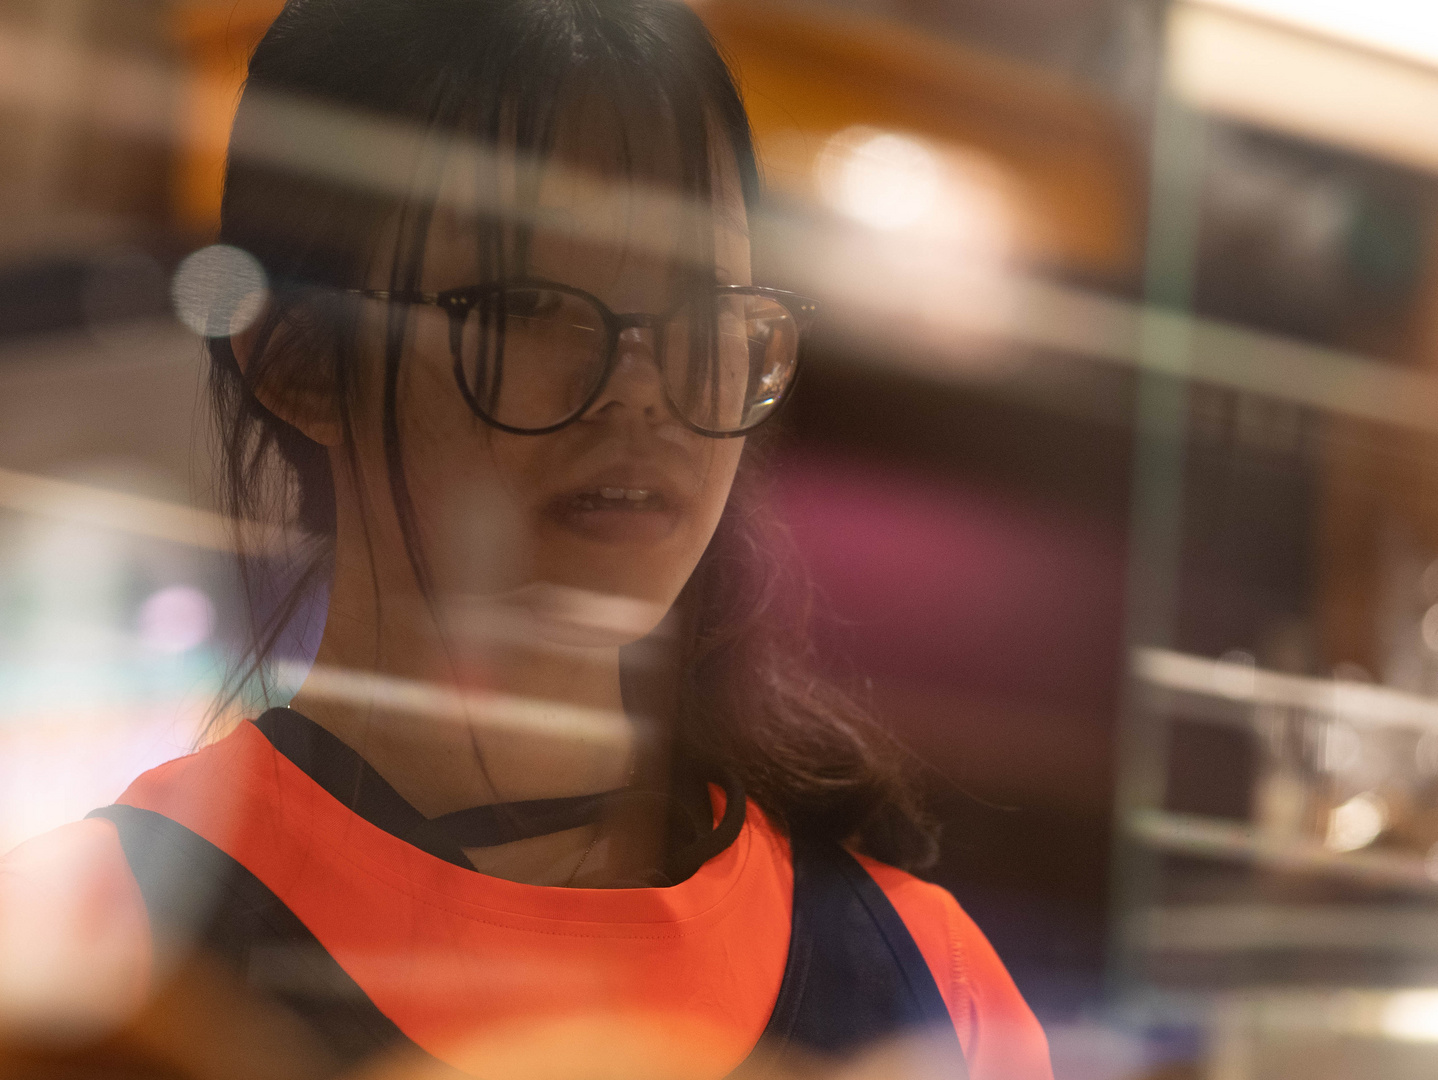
(341, 772)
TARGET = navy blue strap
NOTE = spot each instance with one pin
(854, 976)
(352, 781)
(343, 773)
(197, 896)
(504, 823)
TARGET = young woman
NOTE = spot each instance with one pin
(560, 795)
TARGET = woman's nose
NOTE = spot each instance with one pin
(634, 382)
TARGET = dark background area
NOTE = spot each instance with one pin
(969, 549)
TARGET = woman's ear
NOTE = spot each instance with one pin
(296, 400)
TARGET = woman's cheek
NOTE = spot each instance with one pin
(476, 533)
(722, 467)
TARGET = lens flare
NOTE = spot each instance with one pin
(1356, 823)
(882, 179)
(219, 290)
(1412, 1015)
(176, 619)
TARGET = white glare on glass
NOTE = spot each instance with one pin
(219, 290)
(1411, 1015)
(176, 619)
(1406, 27)
(882, 179)
(1292, 74)
(1235, 675)
(1356, 823)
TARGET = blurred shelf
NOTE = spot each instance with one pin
(1227, 692)
(1214, 838)
(1258, 927)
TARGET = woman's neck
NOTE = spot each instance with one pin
(458, 716)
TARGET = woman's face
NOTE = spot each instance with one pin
(623, 501)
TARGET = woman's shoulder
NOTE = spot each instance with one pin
(1001, 1037)
(74, 934)
(240, 762)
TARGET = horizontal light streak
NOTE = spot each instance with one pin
(506, 712)
(132, 97)
(1250, 925)
(1218, 838)
(1061, 319)
(1406, 28)
(137, 515)
(1053, 318)
(1274, 76)
(1361, 704)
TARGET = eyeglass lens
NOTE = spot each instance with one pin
(532, 358)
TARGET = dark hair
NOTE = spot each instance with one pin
(501, 72)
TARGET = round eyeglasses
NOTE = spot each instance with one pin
(532, 356)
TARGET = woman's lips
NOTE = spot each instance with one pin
(616, 514)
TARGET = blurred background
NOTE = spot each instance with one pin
(1115, 458)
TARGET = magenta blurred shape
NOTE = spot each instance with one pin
(946, 584)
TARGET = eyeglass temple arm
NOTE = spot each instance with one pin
(399, 297)
(806, 312)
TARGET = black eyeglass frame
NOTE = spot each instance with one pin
(461, 301)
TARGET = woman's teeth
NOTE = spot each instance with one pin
(612, 498)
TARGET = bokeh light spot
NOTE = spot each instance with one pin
(219, 290)
(1412, 1015)
(885, 180)
(1356, 823)
(176, 619)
